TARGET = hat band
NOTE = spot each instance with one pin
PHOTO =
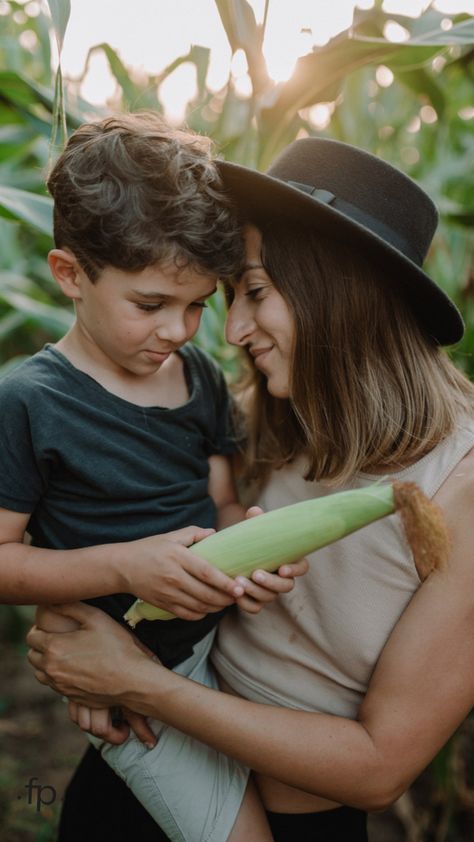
(358, 215)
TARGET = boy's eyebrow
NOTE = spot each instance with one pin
(165, 296)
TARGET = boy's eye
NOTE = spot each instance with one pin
(200, 304)
(149, 308)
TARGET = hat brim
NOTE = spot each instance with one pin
(261, 198)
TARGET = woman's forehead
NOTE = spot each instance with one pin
(253, 242)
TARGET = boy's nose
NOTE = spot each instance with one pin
(175, 330)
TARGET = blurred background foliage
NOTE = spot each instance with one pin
(411, 103)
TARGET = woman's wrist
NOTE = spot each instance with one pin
(143, 689)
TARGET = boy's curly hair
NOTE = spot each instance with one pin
(129, 192)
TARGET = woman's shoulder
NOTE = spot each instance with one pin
(456, 499)
(459, 485)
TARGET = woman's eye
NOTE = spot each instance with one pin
(255, 293)
(200, 304)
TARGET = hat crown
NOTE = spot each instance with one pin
(366, 188)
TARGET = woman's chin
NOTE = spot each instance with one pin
(277, 390)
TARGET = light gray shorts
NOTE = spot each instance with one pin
(192, 791)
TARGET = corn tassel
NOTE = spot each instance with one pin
(284, 535)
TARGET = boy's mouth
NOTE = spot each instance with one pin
(158, 356)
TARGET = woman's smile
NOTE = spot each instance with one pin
(259, 319)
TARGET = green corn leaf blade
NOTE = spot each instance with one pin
(56, 320)
(10, 323)
(243, 32)
(60, 11)
(200, 56)
(58, 126)
(27, 207)
(24, 92)
(460, 34)
(318, 74)
(131, 91)
(423, 83)
(238, 20)
(17, 282)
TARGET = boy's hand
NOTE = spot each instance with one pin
(99, 723)
(264, 587)
(161, 570)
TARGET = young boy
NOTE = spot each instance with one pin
(122, 431)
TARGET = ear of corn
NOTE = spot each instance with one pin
(286, 534)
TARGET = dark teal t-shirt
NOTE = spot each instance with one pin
(92, 468)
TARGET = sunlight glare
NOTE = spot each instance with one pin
(148, 36)
(414, 125)
(320, 115)
(453, 7)
(428, 114)
(177, 90)
(288, 38)
(99, 85)
(384, 76)
(409, 8)
(395, 33)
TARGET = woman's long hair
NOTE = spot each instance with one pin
(369, 390)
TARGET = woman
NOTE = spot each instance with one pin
(354, 681)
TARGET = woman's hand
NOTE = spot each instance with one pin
(263, 587)
(93, 665)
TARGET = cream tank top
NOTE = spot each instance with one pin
(315, 648)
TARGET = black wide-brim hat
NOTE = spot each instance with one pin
(354, 197)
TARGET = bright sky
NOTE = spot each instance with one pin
(149, 34)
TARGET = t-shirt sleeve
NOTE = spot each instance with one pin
(22, 479)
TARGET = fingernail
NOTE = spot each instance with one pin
(239, 591)
(149, 746)
(259, 577)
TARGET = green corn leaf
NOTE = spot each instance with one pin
(27, 207)
(238, 20)
(60, 11)
(57, 320)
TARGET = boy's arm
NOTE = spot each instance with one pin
(223, 491)
(30, 575)
(159, 568)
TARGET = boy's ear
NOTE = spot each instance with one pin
(66, 272)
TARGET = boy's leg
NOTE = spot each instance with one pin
(251, 824)
(98, 806)
(192, 791)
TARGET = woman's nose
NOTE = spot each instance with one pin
(238, 326)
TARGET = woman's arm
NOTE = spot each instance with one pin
(421, 690)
